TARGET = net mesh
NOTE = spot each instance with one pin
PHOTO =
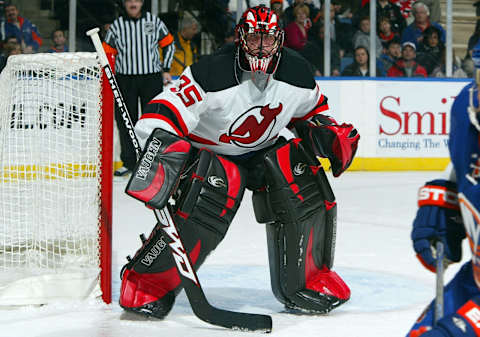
(50, 141)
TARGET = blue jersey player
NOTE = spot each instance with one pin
(449, 210)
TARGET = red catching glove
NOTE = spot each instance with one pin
(324, 137)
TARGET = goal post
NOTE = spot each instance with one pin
(56, 165)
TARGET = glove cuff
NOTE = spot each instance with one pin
(441, 193)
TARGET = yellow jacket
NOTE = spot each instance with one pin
(186, 54)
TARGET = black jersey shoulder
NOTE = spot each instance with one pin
(295, 70)
(215, 72)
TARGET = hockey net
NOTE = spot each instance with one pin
(55, 179)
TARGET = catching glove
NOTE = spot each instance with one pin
(324, 137)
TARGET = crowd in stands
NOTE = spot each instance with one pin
(410, 41)
(20, 36)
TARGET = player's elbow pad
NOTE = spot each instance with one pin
(326, 138)
(158, 170)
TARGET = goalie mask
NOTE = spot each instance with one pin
(260, 40)
(474, 110)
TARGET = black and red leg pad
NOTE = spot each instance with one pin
(301, 231)
(207, 200)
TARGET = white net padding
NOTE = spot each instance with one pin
(50, 141)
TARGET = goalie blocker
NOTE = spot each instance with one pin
(206, 199)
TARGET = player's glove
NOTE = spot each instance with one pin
(326, 138)
(438, 218)
(464, 323)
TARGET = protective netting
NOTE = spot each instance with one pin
(50, 140)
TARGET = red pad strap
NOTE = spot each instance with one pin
(433, 195)
(471, 312)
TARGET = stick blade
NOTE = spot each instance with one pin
(224, 318)
(236, 320)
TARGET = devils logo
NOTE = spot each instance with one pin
(253, 127)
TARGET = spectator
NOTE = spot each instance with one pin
(434, 8)
(216, 18)
(362, 37)
(407, 66)
(289, 14)
(440, 70)
(430, 50)
(414, 31)
(277, 7)
(385, 32)
(473, 39)
(10, 45)
(59, 46)
(296, 31)
(313, 52)
(385, 9)
(140, 73)
(25, 31)
(11, 39)
(12, 49)
(186, 53)
(361, 65)
(405, 6)
(346, 7)
(340, 32)
(467, 63)
(392, 54)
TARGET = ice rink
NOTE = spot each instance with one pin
(374, 256)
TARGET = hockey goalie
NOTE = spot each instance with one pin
(215, 133)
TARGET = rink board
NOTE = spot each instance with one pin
(403, 123)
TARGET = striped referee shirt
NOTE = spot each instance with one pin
(135, 43)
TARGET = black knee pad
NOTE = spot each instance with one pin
(300, 211)
(206, 200)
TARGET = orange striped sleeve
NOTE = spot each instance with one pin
(166, 40)
(109, 49)
(37, 38)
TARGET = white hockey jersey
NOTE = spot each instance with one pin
(214, 109)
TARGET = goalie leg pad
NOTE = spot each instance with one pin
(207, 199)
(301, 240)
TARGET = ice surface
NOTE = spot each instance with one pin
(373, 255)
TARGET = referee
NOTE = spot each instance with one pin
(135, 41)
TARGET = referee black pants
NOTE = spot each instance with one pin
(133, 87)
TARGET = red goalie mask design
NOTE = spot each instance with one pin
(260, 38)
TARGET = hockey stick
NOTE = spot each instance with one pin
(199, 303)
(438, 312)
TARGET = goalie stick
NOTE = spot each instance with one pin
(199, 303)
